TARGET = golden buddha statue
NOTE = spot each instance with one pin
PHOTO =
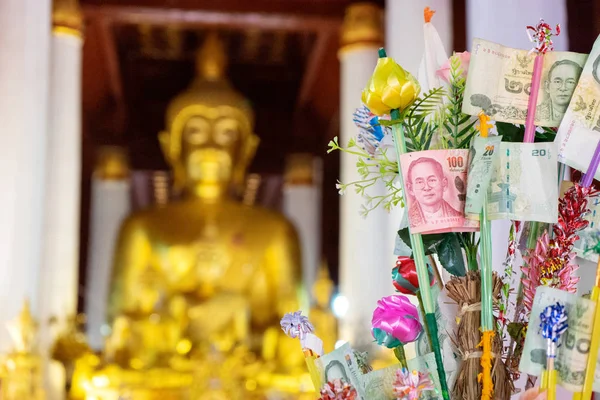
(321, 316)
(21, 370)
(206, 273)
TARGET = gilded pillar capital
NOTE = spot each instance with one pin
(363, 25)
(112, 164)
(67, 17)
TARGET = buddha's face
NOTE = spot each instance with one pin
(210, 147)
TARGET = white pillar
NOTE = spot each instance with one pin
(404, 38)
(110, 205)
(404, 29)
(60, 255)
(302, 205)
(365, 271)
(24, 56)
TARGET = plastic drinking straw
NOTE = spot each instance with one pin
(533, 96)
(487, 317)
(529, 137)
(418, 250)
(586, 181)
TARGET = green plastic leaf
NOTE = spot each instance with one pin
(516, 330)
(445, 245)
(516, 133)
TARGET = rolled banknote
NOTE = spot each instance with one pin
(579, 130)
(573, 351)
(482, 157)
(523, 184)
(499, 83)
(435, 183)
(340, 363)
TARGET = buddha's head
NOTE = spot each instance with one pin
(210, 140)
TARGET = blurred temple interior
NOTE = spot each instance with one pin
(169, 192)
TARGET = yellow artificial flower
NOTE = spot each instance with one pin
(390, 87)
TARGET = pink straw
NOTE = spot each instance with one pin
(587, 179)
(533, 96)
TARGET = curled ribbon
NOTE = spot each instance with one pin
(405, 278)
(553, 322)
(395, 321)
(409, 385)
(296, 325)
(541, 36)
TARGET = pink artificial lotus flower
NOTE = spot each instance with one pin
(444, 71)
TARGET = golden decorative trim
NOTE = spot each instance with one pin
(300, 169)
(363, 24)
(67, 14)
(63, 30)
(112, 164)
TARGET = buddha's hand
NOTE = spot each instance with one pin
(224, 314)
(533, 394)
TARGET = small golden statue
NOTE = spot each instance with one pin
(21, 370)
(207, 276)
(321, 316)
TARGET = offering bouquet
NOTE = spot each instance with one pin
(456, 156)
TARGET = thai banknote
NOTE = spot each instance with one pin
(341, 364)
(499, 83)
(426, 364)
(579, 131)
(445, 315)
(573, 351)
(436, 185)
(379, 384)
(482, 157)
(523, 184)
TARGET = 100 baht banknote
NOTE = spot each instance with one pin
(524, 183)
(579, 131)
(435, 184)
(573, 351)
(499, 83)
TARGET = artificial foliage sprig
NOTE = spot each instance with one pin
(372, 168)
(459, 128)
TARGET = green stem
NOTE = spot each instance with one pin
(421, 265)
(487, 316)
(401, 355)
(423, 314)
(471, 252)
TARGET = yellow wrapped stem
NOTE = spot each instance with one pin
(314, 372)
(485, 377)
(390, 87)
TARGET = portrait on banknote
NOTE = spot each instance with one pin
(500, 83)
(579, 131)
(335, 370)
(595, 71)
(427, 185)
(435, 195)
(559, 85)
